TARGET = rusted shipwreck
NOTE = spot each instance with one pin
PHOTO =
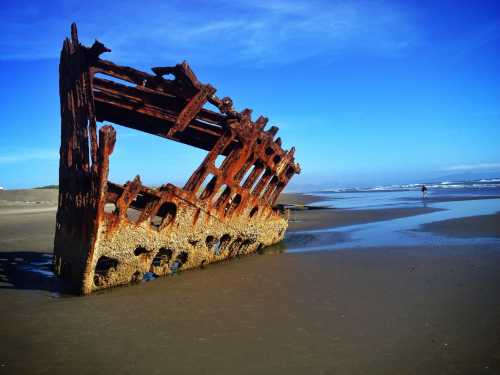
(109, 234)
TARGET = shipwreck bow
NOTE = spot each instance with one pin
(109, 234)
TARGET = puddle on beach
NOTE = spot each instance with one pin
(395, 232)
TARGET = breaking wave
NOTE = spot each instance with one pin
(472, 184)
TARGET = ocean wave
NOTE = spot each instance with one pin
(473, 184)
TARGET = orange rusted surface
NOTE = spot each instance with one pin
(109, 234)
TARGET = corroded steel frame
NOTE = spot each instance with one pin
(109, 234)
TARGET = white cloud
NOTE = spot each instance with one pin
(212, 33)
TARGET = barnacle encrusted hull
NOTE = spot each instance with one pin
(193, 238)
(109, 234)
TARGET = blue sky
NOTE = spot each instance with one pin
(369, 92)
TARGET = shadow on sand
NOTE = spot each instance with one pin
(31, 270)
(28, 270)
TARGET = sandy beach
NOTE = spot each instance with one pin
(399, 309)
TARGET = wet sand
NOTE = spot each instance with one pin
(450, 198)
(475, 226)
(377, 311)
(299, 199)
(330, 218)
(417, 310)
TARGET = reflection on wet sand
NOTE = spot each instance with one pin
(408, 230)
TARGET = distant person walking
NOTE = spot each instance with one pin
(424, 191)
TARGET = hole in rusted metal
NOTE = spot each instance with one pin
(245, 170)
(222, 244)
(162, 257)
(105, 264)
(133, 214)
(254, 211)
(219, 160)
(270, 186)
(165, 215)
(259, 187)
(221, 196)
(269, 189)
(156, 221)
(207, 187)
(210, 107)
(181, 259)
(210, 241)
(110, 208)
(209, 190)
(247, 174)
(256, 181)
(203, 185)
(233, 204)
(149, 176)
(140, 250)
(168, 77)
(114, 79)
(135, 208)
(254, 177)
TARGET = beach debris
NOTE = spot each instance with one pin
(109, 234)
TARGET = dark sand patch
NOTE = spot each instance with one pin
(330, 218)
(467, 227)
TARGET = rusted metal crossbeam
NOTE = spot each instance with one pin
(109, 234)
